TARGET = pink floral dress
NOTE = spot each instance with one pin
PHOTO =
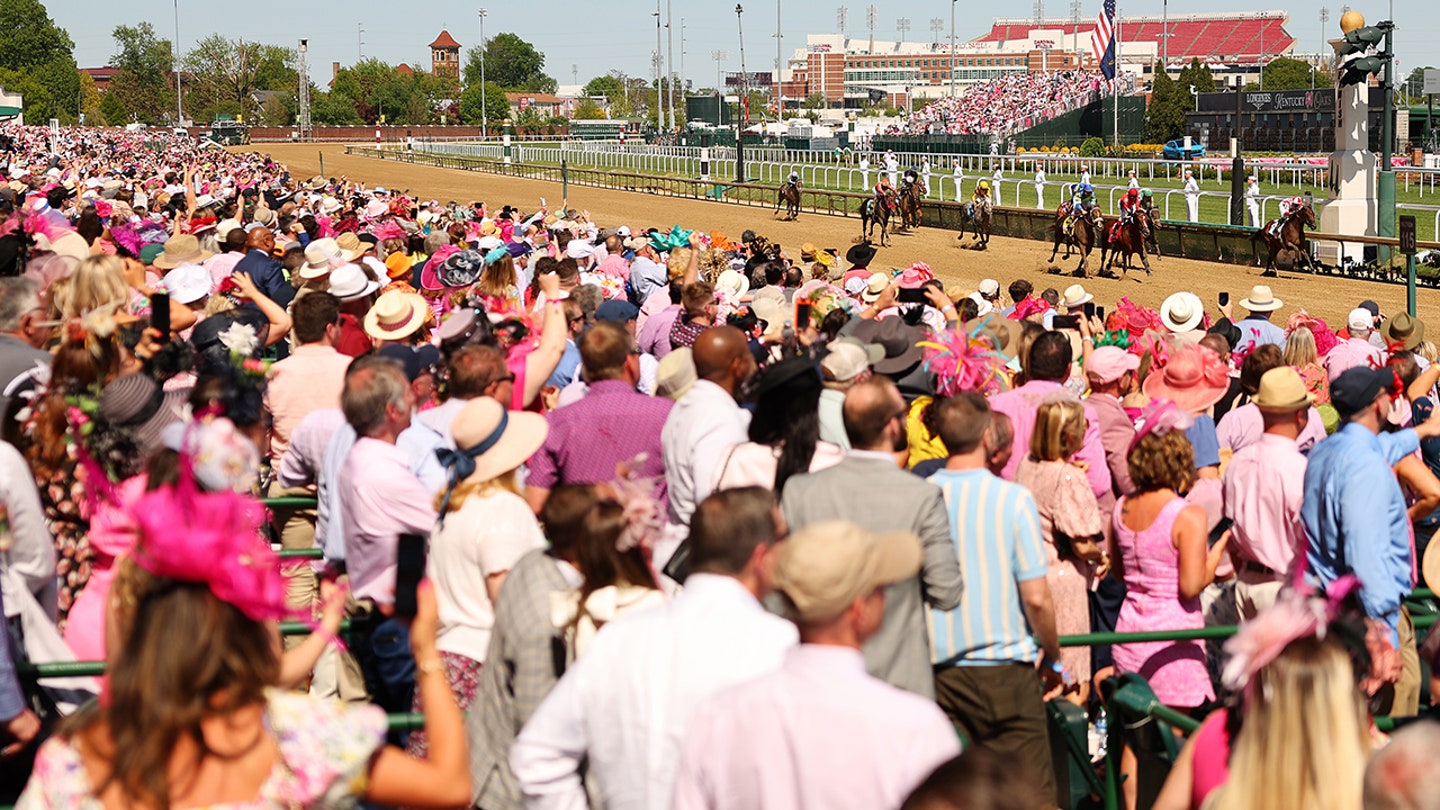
(1067, 506)
(1175, 669)
(325, 752)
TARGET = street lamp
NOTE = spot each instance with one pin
(744, 112)
(952, 47)
(484, 117)
(175, 57)
(659, 74)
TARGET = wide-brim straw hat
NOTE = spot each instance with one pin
(509, 437)
(1282, 391)
(1194, 378)
(1261, 299)
(396, 315)
(1182, 312)
(182, 249)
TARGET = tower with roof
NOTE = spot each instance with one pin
(445, 56)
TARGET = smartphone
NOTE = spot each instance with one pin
(409, 570)
(908, 296)
(1100, 313)
(1220, 528)
(1224, 298)
(802, 312)
(1066, 322)
(1089, 309)
(160, 314)
(542, 202)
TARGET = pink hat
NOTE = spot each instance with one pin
(912, 278)
(1109, 363)
(1194, 379)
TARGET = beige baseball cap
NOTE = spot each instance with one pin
(826, 566)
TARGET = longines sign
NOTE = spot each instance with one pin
(1288, 100)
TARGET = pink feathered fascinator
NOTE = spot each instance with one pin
(1325, 337)
(963, 361)
(1301, 613)
(1160, 417)
(212, 539)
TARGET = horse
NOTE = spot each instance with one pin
(909, 200)
(872, 214)
(978, 217)
(789, 196)
(1292, 237)
(1125, 240)
(1152, 242)
(1081, 236)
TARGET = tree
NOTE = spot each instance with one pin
(140, 52)
(1197, 76)
(1284, 73)
(36, 61)
(512, 63)
(814, 101)
(1165, 114)
(114, 109)
(587, 110)
(610, 85)
(333, 109)
(224, 77)
(497, 107)
(90, 102)
(1414, 85)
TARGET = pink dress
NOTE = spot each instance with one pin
(112, 536)
(1066, 505)
(1175, 669)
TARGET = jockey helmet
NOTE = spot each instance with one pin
(1087, 189)
(1145, 192)
(983, 184)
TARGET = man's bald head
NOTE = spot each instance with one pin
(722, 356)
(869, 411)
(260, 239)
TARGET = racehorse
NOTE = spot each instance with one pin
(909, 205)
(788, 196)
(978, 217)
(1152, 242)
(872, 214)
(1126, 240)
(1292, 237)
(1081, 236)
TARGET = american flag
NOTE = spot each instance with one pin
(1102, 40)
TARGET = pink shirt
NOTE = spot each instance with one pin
(381, 500)
(1022, 403)
(311, 378)
(1349, 354)
(1264, 485)
(819, 732)
(1243, 426)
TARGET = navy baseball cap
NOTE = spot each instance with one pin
(1356, 388)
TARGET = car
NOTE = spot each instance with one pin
(1176, 150)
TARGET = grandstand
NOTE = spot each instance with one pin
(1240, 41)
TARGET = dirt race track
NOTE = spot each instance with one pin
(1007, 259)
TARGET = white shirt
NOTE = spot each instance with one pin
(31, 552)
(626, 705)
(1252, 193)
(1039, 177)
(1192, 188)
(1084, 177)
(817, 733)
(1134, 183)
(701, 428)
(487, 535)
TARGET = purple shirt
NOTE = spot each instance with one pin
(1264, 485)
(382, 500)
(613, 423)
(1243, 426)
(654, 337)
(1022, 403)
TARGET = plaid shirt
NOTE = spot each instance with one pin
(527, 656)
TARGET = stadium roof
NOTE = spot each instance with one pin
(1234, 37)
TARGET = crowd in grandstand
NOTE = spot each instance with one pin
(710, 522)
(998, 105)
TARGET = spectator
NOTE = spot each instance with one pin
(1402, 775)
(979, 779)
(1264, 484)
(1355, 350)
(260, 265)
(819, 727)
(1110, 371)
(22, 337)
(626, 706)
(847, 363)
(784, 431)
(855, 490)
(1070, 520)
(985, 648)
(1355, 518)
(1302, 355)
(1243, 425)
(611, 425)
(1256, 328)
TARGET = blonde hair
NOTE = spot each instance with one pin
(1427, 350)
(1300, 348)
(1306, 739)
(97, 281)
(1059, 430)
(678, 262)
(503, 482)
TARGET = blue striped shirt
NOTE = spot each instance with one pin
(999, 545)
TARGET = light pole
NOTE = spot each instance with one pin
(659, 73)
(670, 62)
(304, 82)
(952, 47)
(1324, 18)
(779, 95)
(484, 117)
(175, 57)
(743, 116)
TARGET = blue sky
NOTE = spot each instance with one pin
(595, 37)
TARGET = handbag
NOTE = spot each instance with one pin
(1086, 549)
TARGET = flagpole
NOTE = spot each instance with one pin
(1115, 87)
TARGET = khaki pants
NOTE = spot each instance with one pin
(1403, 698)
(296, 530)
(1254, 594)
(338, 674)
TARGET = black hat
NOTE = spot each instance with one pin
(860, 255)
(900, 340)
(1356, 388)
(414, 360)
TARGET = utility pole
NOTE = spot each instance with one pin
(304, 77)
(952, 46)
(658, 63)
(871, 15)
(936, 26)
(484, 117)
(1075, 7)
(175, 57)
(1320, 54)
(670, 62)
(743, 116)
(684, 109)
(359, 40)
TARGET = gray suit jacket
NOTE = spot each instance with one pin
(882, 497)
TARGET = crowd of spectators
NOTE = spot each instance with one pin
(998, 106)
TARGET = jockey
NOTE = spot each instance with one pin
(911, 175)
(793, 179)
(1147, 200)
(982, 193)
(1082, 202)
(884, 192)
(1288, 208)
(1129, 203)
